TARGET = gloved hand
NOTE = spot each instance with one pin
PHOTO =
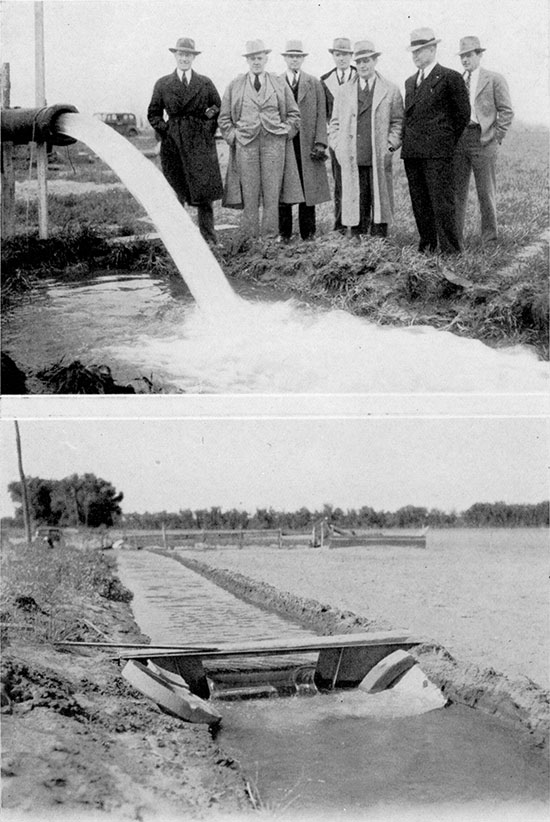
(318, 153)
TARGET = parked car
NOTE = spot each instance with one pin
(49, 536)
(123, 122)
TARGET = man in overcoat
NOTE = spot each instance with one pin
(258, 119)
(437, 110)
(188, 153)
(342, 73)
(364, 131)
(309, 144)
(477, 149)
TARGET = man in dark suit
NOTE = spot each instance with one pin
(188, 151)
(342, 73)
(437, 110)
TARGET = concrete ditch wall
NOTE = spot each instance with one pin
(523, 705)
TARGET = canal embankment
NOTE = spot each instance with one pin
(77, 741)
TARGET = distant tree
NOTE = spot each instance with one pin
(76, 500)
(40, 500)
(410, 516)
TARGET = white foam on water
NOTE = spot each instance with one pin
(287, 348)
(228, 345)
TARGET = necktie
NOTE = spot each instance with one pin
(184, 80)
(295, 80)
(420, 78)
(467, 79)
(257, 84)
(341, 80)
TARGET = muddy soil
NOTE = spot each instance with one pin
(78, 742)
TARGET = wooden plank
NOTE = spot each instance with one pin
(285, 645)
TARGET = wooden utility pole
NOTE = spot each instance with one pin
(8, 171)
(26, 506)
(40, 101)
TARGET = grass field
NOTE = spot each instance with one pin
(503, 302)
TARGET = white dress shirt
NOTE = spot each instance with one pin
(474, 78)
(187, 75)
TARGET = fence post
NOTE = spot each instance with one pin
(40, 100)
(8, 171)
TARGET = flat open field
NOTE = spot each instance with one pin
(483, 594)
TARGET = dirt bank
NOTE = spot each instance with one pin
(79, 743)
(523, 705)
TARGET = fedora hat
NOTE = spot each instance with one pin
(365, 48)
(341, 44)
(421, 38)
(294, 48)
(469, 44)
(185, 44)
(255, 47)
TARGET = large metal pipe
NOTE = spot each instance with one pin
(26, 125)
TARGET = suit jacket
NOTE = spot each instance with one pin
(188, 147)
(493, 106)
(229, 117)
(436, 114)
(232, 104)
(331, 86)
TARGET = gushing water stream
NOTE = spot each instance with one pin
(227, 344)
(182, 238)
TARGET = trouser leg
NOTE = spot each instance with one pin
(337, 176)
(440, 180)
(248, 166)
(462, 173)
(272, 159)
(484, 163)
(306, 221)
(285, 220)
(421, 204)
(365, 201)
(205, 212)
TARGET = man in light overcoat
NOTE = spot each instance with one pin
(437, 110)
(188, 153)
(309, 144)
(477, 150)
(343, 72)
(364, 131)
(258, 119)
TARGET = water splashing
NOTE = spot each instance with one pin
(230, 345)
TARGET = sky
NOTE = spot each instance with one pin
(386, 463)
(104, 55)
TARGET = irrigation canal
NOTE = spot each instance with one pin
(344, 752)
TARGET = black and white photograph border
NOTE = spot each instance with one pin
(132, 299)
(433, 527)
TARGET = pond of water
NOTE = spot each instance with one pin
(343, 753)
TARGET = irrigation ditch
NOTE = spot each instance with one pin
(523, 706)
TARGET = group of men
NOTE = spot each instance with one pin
(279, 127)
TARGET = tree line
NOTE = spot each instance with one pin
(93, 502)
(481, 514)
